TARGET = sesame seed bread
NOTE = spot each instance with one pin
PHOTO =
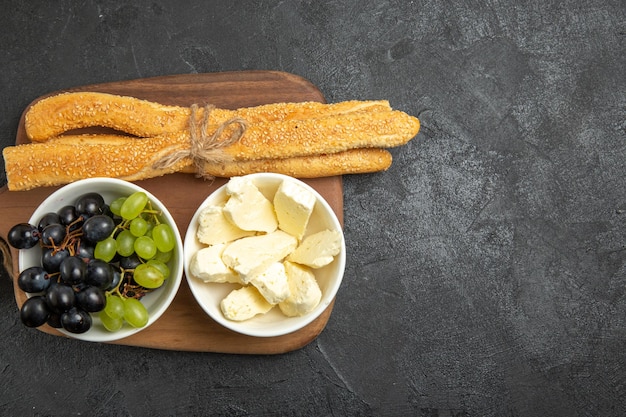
(354, 161)
(54, 115)
(306, 140)
(68, 158)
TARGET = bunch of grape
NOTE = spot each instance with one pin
(96, 259)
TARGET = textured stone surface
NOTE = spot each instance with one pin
(487, 268)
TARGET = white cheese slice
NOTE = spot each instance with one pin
(318, 249)
(249, 256)
(293, 205)
(243, 304)
(247, 208)
(304, 291)
(207, 265)
(272, 283)
(214, 227)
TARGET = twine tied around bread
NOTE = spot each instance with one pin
(204, 147)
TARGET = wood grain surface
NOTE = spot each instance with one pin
(185, 326)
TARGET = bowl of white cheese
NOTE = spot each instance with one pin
(264, 255)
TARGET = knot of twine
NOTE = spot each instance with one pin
(204, 147)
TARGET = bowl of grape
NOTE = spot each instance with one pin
(100, 259)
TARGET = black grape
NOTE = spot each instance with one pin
(90, 204)
(130, 262)
(23, 236)
(99, 274)
(85, 250)
(53, 234)
(76, 320)
(51, 259)
(91, 299)
(60, 298)
(117, 277)
(68, 217)
(48, 219)
(33, 279)
(73, 270)
(34, 311)
(106, 210)
(98, 228)
(54, 320)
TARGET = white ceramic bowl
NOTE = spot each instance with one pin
(274, 323)
(157, 301)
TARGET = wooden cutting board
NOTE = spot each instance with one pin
(185, 326)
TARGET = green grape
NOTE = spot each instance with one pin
(135, 313)
(125, 243)
(114, 307)
(134, 205)
(148, 276)
(163, 256)
(163, 236)
(145, 247)
(149, 231)
(138, 226)
(160, 265)
(116, 205)
(110, 323)
(105, 249)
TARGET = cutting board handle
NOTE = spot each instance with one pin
(7, 257)
(13, 212)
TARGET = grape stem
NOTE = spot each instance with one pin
(155, 213)
(126, 288)
(69, 241)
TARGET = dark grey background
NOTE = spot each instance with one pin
(486, 273)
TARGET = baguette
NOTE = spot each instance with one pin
(57, 114)
(54, 115)
(324, 135)
(353, 161)
(68, 158)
